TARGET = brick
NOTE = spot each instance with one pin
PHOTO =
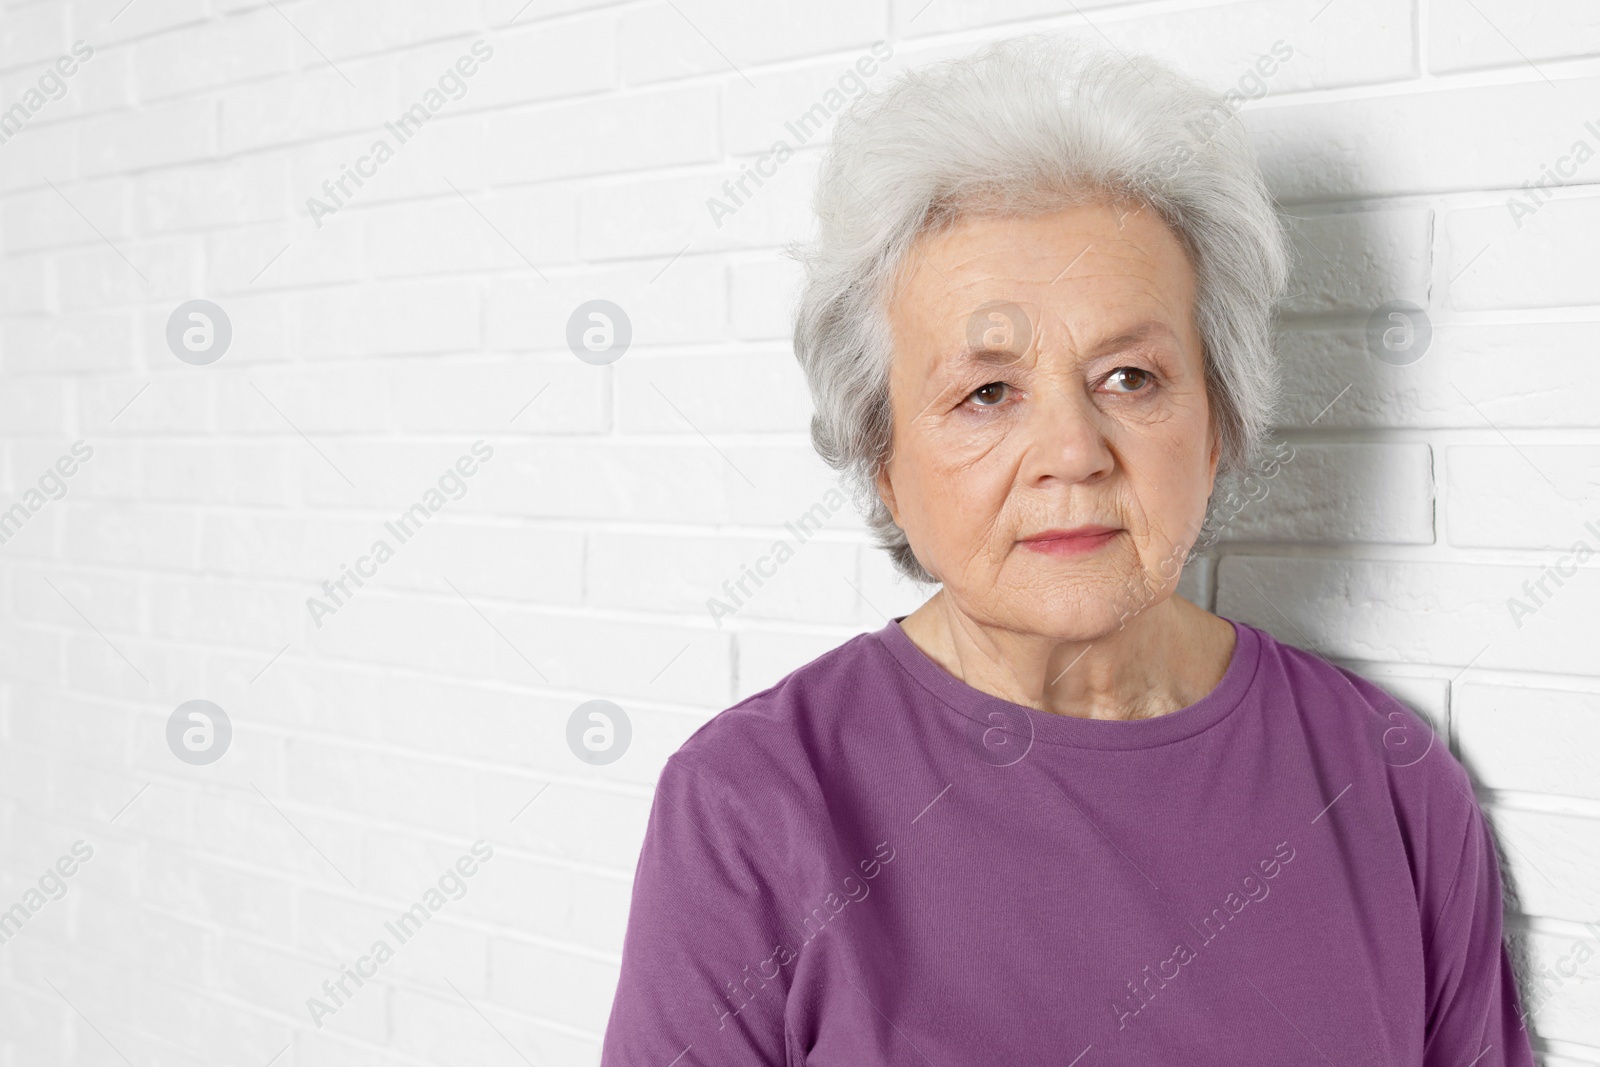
(26, 290)
(1528, 739)
(1414, 612)
(538, 395)
(113, 24)
(798, 105)
(661, 41)
(450, 636)
(238, 474)
(179, 880)
(44, 217)
(524, 974)
(341, 931)
(99, 275)
(1469, 34)
(762, 293)
(767, 655)
(151, 135)
(33, 35)
(415, 792)
(1220, 44)
(234, 613)
(1496, 260)
(1555, 489)
(741, 392)
(319, 400)
(1459, 381)
(790, 574)
(314, 103)
(393, 319)
(213, 196)
(248, 47)
(569, 822)
(500, 231)
(266, 258)
(667, 301)
(34, 406)
(41, 152)
(599, 136)
(365, 27)
(1420, 142)
(159, 538)
(1340, 493)
(437, 1025)
(450, 146)
(1545, 857)
(760, 203)
(1554, 994)
(1355, 261)
(884, 592)
(531, 61)
(282, 982)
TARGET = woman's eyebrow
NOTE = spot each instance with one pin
(989, 355)
(983, 355)
(1148, 330)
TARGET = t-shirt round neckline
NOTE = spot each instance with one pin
(986, 708)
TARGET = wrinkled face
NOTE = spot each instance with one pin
(1047, 375)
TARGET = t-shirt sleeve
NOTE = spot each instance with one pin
(705, 960)
(1474, 1014)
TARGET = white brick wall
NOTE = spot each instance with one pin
(429, 311)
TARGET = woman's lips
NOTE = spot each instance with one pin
(1075, 542)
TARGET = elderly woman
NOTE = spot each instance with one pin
(1057, 814)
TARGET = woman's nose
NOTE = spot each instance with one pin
(1064, 434)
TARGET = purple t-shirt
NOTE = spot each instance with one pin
(873, 863)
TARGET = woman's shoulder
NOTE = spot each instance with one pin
(784, 721)
(1346, 707)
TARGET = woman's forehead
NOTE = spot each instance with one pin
(956, 312)
(1043, 263)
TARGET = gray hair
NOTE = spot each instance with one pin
(1030, 125)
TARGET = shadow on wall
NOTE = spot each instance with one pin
(1373, 339)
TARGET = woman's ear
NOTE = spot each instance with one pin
(885, 487)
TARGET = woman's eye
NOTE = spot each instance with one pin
(1128, 380)
(987, 396)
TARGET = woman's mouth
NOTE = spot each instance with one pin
(1074, 542)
